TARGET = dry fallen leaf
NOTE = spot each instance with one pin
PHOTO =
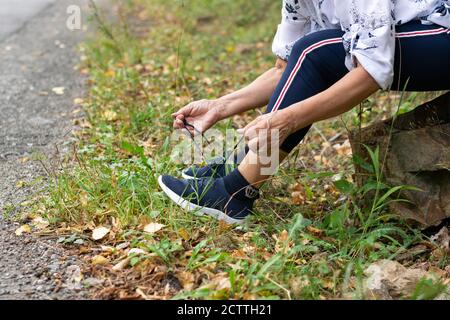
(20, 184)
(153, 227)
(184, 234)
(187, 280)
(122, 264)
(99, 260)
(110, 115)
(99, 233)
(315, 231)
(135, 251)
(40, 223)
(78, 101)
(298, 198)
(110, 73)
(343, 149)
(24, 159)
(59, 90)
(23, 229)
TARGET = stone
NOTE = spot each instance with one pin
(418, 154)
(387, 280)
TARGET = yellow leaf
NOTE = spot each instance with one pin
(184, 234)
(59, 90)
(23, 229)
(110, 115)
(230, 49)
(99, 233)
(110, 73)
(24, 159)
(99, 260)
(20, 184)
(153, 227)
(78, 101)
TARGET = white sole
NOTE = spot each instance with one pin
(192, 207)
(186, 177)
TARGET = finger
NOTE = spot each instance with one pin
(179, 124)
(255, 123)
(182, 111)
(180, 119)
(251, 133)
(248, 126)
(253, 145)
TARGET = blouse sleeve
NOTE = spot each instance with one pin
(293, 26)
(369, 37)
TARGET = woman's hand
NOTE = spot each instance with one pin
(261, 132)
(203, 114)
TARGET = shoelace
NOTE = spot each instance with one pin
(192, 136)
(197, 146)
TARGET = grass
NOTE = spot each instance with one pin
(311, 236)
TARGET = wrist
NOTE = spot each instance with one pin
(221, 108)
(287, 119)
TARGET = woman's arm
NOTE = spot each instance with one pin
(345, 94)
(255, 95)
(353, 88)
(205, 113)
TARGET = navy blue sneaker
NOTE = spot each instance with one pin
(210, 196)
(215, 168)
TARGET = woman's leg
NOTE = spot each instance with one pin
(422, 63)
(422, 58)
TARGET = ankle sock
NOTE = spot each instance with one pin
(239, 187)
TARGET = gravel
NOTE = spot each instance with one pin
(34, 58)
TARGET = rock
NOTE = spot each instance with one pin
(388, 280)
(442, 239)
(53, 267)
(92, 282)
(418, 154)
(74, 277)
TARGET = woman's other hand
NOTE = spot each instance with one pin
(261, 132)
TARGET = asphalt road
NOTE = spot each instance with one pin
(15, 13)
(37, 53)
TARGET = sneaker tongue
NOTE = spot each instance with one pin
(217, 160)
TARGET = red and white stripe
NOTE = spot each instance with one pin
(411, 34)
(298, 65)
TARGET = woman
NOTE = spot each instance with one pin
(332, 55)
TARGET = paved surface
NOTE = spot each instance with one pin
(37, 53)
(15, 13)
